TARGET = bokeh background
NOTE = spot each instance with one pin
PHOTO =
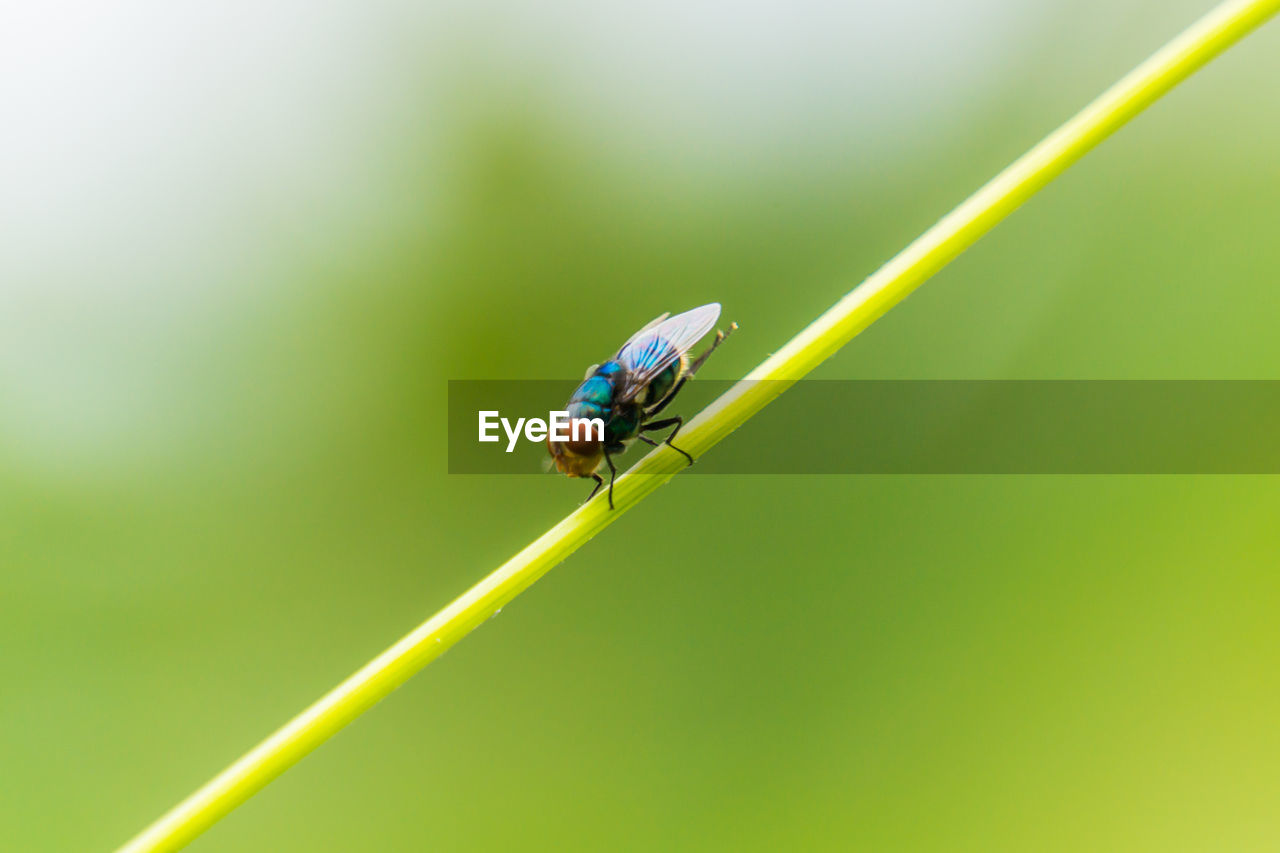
(244, 246)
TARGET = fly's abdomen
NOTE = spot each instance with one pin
(661, 385)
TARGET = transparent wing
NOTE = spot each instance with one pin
(653, 349)
(647, 326)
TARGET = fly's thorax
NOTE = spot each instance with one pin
(586, 410)
(610, 369)
(594, 397)
(595, 391)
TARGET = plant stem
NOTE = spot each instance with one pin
(1204, 40)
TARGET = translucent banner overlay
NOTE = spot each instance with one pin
(927, 427)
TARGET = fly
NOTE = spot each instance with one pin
(630, 390)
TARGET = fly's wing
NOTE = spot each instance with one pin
(647, 326)
(655, 347)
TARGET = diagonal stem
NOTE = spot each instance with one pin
(888, 286)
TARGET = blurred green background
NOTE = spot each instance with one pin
(243, 248)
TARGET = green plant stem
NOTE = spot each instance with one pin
(1204, 40)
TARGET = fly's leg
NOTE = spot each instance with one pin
(678, 421)
(663, 424)
(613, 474)
(599, 482)
(652, 443)
(720, 336)
(688, 374)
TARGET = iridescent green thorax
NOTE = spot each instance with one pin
(593, 399)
